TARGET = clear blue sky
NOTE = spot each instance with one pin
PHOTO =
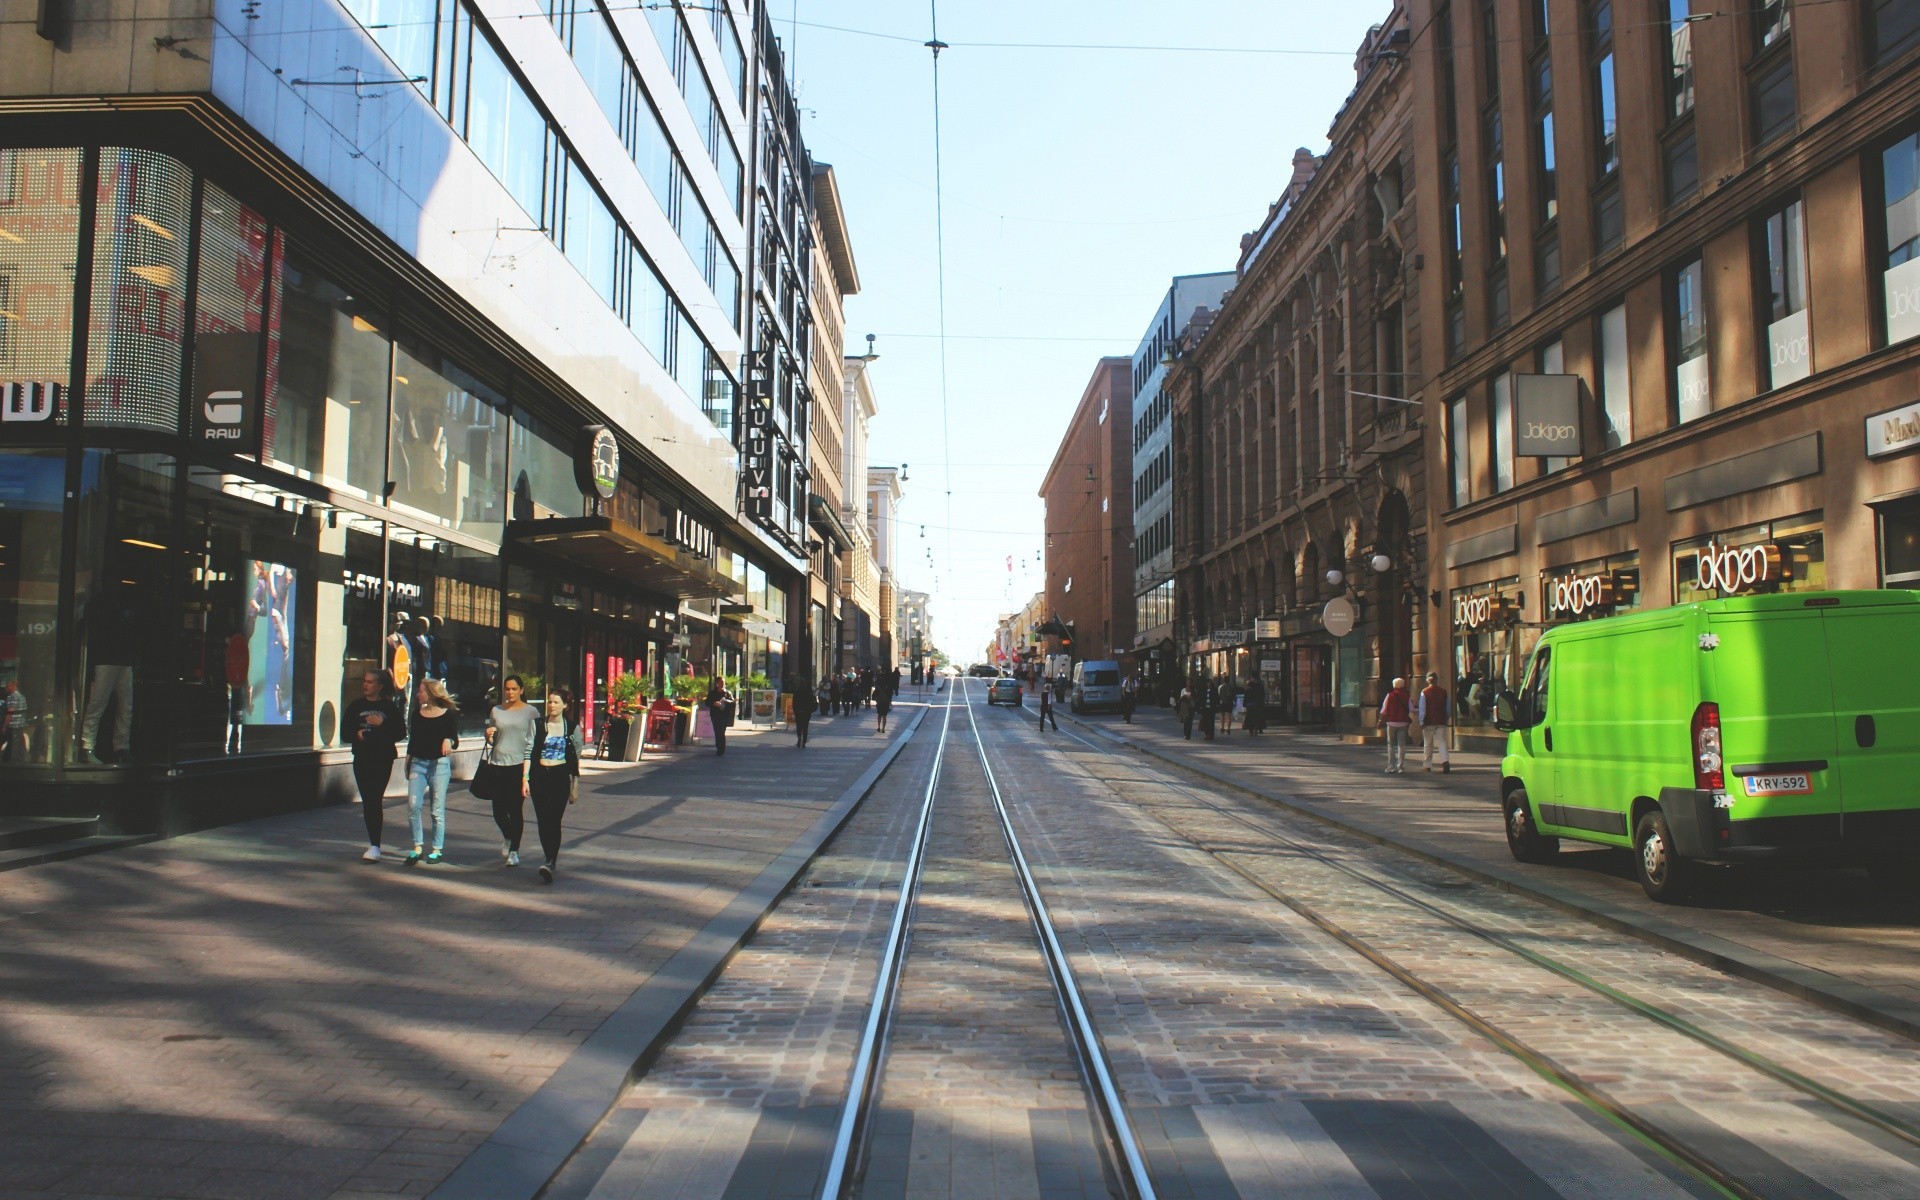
(1077, 182)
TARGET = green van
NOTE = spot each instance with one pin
(1747, 728)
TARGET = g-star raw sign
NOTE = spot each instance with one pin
(1888, 432)
(1737, 568)
(226, 369)
(1546, 416)
(1577, 595)
(756, 461)
(28, 402)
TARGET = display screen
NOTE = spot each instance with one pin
(269, 630)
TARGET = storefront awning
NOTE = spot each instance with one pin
(618, 549)
(827, 521)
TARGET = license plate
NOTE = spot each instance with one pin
(1778, 785)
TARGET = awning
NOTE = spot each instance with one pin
(828, 521)
(618, 549)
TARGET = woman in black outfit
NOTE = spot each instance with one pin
(374, 725)
(550, 777)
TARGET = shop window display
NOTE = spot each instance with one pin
(326, 404)
(139, 290)
(1489, 648)
(1788, 555)
(448, 457)
(453, 631)
(31, 502)
(123, 559)
(39, 237)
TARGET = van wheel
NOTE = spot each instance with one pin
(1664, 875)
(1526, 842)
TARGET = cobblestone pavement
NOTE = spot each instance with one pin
(1761, 1130)
(1829, 929)
(253, 1012)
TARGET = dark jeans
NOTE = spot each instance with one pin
(1206, 723)
(370, 774)
(549, 788)
(510, 814)
(1186, 725)
(800, 722)
(1046, 714)
(719, 738)
(1126, 711)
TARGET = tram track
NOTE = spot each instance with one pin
(1125, 1163)
(1674, 1148)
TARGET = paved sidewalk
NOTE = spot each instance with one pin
(254, 1012)
(1820, 934)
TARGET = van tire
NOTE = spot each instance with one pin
(1524, 838)
(1664, 875)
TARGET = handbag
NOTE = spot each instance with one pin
(492, 783)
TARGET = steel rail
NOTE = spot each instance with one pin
(1658, 1139)
(849, 1140)
(1886, 1122)
(1131, 1165)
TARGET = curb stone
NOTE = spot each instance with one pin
(521, 1156)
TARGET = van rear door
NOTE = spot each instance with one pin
(1777, 724)
(1875, 650)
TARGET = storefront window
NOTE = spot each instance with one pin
(126, 538)
(1487, 647)
(326, 409)
(453, 631)
(39, 235)
(1900, 544)
(1599, 587)
(449, 453)
(31, 503)
(544, 484)
(1788, 555)
(139, 290)
(1900, 183)
(248, 678)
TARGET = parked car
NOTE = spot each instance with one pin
(1751, 728)
(1005, 691)
(1096, 685)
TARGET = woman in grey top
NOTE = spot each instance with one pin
(508, 758)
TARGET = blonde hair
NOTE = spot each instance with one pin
(437, 693)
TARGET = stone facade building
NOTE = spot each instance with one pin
(1677, 301)
(1300, 478)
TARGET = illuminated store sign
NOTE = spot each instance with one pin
(1578, 595)
(1732, 569)
(756, 462)
(28, 401)
(1474, 612)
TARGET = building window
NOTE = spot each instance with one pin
(1443, 37)
(1789, 351)
(1553, 361)
(1456, 329)
(1609, 217)
(1693, 397)
(505, 129)
(139, 289)
(1900, 544)
(1900, 183)
(1773, 98)
(1616, 395)
(1459, 459)
(1500, 431)
(1679, 47)
(1772, 21)
(1490, 47)
(1497, 185)
(1683, 164)
(1547, 262)
(1549, 181)
(1605, 98)
(1499, 302)
(1896, 27)
(1450, 169)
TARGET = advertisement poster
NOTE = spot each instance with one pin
(270, 626)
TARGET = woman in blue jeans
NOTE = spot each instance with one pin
(430, 743)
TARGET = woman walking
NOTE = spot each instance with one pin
(502, 777)
(430, 743)
(551, 778)
(882, 700)
(374, 725)
(720, 710)
(802, 709)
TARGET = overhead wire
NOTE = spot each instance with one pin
(940, 271)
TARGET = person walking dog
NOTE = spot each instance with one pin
(374, 725)
(1396, 715)
(553, 776)
(1434, 711)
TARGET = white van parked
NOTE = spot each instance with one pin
(1096, 685)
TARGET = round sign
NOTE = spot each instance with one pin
(1338, 616)
(602, 471)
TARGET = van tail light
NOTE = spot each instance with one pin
(1709, 774)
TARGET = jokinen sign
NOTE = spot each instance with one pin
(1738, 568)
(1471, 612)
(1546, 416)
(1577, 595)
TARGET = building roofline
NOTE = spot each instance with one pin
(833, 227)
(1107, 362)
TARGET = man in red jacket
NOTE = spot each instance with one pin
(1396, 715)
(1433, 714)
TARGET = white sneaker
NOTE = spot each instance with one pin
(513, 858)
(372, 854)
(506, 850)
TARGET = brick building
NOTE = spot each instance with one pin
(1088, 491)
(1676, 283)
(1299, 479)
